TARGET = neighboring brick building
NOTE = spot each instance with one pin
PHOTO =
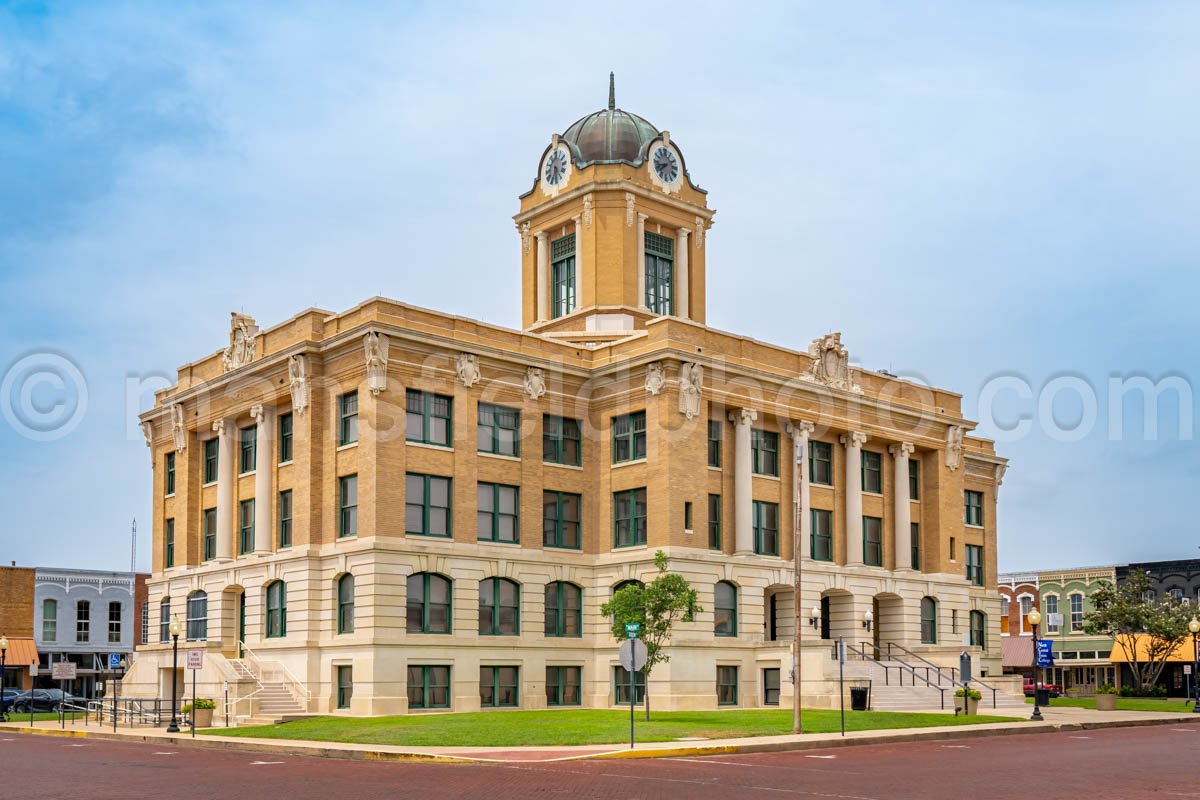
(16, 623)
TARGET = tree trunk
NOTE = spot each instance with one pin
(646, 698)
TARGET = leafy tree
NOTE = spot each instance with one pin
(667, 599)
(1125, 614)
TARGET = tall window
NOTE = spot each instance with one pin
(1005, 608)
(1076, 612)
(764, 452)
(621, 682)
(978, 626)
(210, 534)
(285, 518)
(975, 564)
(145, 623)
(560, 519)
(498, 686)
(428, 418)
(771, 686)
(170, 474)
(973, 502)
(345, 685)
(114, 622)
(345, 604)
(715, 429)
(83, 620)
(561, 440)
(497, 513)
(822, 535)
(725, 609)
(211, 448)
(820, 459)
(285, 438)
(660, 263)
(714, 522)
(766, 528)
(1050, 602)
(164, 620)
(276, 610)
(348, 506)
(915, 539)
(169, 543)
(1026, 605)
(928, 620)
(499, 607)
(872, 472)
(246, 526)
(348, 418)
(629, 518)
(428, 603)
(427, 505)
(562, 275)
(564, 686)
(499, 430)
(914, 479)
(248, 450)
(429, 687)
(629, 437)
(49, 620)
(197, 617)
(564, 609)
(727, 686)
(872, 541)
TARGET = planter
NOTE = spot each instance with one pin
(972, 705)
(203, 717)
(1106, 702)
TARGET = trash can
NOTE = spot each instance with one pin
(1043, 697)
(858, 698)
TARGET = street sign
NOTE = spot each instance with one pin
(1187, 669)
(964, 668)
(1045, 653)
(195, 659)
(114, 660)
(632, 654)
(632, 629)
(62, 671)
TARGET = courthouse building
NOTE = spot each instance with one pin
(390, 508)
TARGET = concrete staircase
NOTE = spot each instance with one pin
(893, 689)
(272, 703)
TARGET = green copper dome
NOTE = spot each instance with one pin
(610, 135)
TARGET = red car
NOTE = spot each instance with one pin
(1054, 689)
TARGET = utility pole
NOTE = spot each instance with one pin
(797, 477)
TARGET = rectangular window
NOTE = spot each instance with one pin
(345, 686)
(428, 687)
(49, 620)
(285, 438)
(714, 522)
(348, 418)
(727, 686)
(170, 474)
(660, 265)
(872, 541)
(764, 452)
(715, 429)
(83, 620)
(564, 686)
(687, 515)
(428, 418)
(246, 527)
(973, 502)
(914, 479)
(347, 506)
(1076, 612)
(248, 438)
(629, 437)
(114, 623)
(497, 513)
(822, 535)
(498, 687)
(820, 458)
(766, 528)
(621, 682)
(1051, 604)
(975, 564)
(872, 472)
(561, 441)
(210, 534)
(427, 505)
(953, 548)
(561, 514)
(145, 623)
(285, 518)
(499, 430)
(915, 529)
(771, 686)
(562, 275)
(211, 448)
(168, 543)
(629, 518)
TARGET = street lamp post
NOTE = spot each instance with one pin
(1035, 619)
(3, 659)
(174, 726)
(117, 693)
(1194, 627)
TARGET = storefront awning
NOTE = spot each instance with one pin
(21, 653)
(1016, 651)
(1184, 652)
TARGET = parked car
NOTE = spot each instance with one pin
(1054, 689)
(7, 696)
(42, 700)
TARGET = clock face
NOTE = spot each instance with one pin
(556, 167)
(665, 165)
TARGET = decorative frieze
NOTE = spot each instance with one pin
(178, 427)
(466, 367)
(535, 382)
(298, 378)
(691, 389)
(954, 445)
(831, 364)
(375, 347)
(243, 333)
(656, 379)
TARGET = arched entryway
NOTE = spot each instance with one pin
(233, 621)
(838, 620)
(888, 612)
(779, 615)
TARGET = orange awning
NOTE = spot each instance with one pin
(21, 653)
(1184, 652)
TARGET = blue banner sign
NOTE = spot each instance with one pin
(1045, 653)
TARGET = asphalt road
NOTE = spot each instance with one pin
(1129, 763)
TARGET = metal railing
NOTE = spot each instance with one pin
(267, 671)
(900, 668)
(930, 665)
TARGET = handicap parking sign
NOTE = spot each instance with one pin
(114, 660)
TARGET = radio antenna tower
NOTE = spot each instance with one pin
(133, 549)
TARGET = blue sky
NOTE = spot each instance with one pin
(966, 190)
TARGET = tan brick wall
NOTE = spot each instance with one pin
(16, 602)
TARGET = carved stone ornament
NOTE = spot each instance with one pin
(375, 347)
(148, 432)
(691, 389)
(525, 236)
(954, 445)
(831, 364)
(242, 335)
(656, 379)
(258, 413)
(629, 203)
(535, 383)
(1000, 470)
(178, 428)
(298, 377)
(467, 369)
(699, 233)
(587, 210)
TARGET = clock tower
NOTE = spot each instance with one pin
(612, 232)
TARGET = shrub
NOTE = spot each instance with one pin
(202, 704)
(973, 694)
(1106, 688)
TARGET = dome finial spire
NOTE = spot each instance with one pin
(612, 92)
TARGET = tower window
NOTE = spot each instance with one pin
(660, 268)
(562, 275)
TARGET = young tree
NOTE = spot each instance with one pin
(667, 599)
(1139, 626)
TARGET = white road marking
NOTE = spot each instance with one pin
(163, 754)
(1081, 737)
(261, 763)
(1184, 730)
(820, 756)
(77, 745)
(957, 746)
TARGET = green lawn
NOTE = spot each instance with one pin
(569, 727)
(1124, 703)
(45, 717)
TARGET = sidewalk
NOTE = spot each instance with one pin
(1056, 719)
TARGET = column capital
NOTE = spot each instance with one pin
(853, 439)
(642, 217)
(743, 416)
(218, 426)
(258, 412)
(683, 233)
(800, 430)
(578, 218)
(541, 236)
(902, 450)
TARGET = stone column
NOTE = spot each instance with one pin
(800, 431)
(641, 261)
(264, 468)
(226, 475)
(743, 481)
(854, 526)
(543, 275)
(903, 524)
(682, 307)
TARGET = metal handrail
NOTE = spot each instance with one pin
(900, 666)
(953, 671)
(294, 685)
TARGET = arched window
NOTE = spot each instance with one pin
(499, 607)
(929, 609)
(164, 620)
(345, 604)
(197, 616)
(979, 629)
(725, 609)
(429, 603)
(49, 620)
(623, 584)
(564, 609)
(1050, 604)
(276, 610)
